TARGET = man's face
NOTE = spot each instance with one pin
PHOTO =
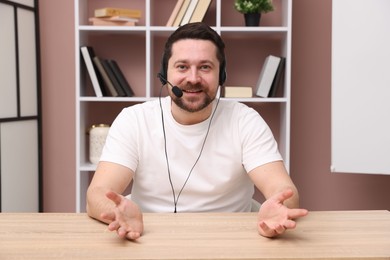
(194, 68)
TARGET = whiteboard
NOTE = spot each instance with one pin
(360, 124)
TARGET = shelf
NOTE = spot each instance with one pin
(259, 100)
(87, 167)
(260, 29)
(143, 99)
(114, 99)
(111, 28)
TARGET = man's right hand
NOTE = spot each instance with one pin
(125, 218)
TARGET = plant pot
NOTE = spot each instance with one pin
(252, 19)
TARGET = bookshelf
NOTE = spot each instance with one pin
(138, 51)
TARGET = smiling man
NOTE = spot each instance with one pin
(191, 151)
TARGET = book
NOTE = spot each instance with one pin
(121, 78)
(181, 12)
(278, 80)
(113, 79)
(110, 89)
(113, 11)
(237, 91)
(190, 10)
(119, 18)
(109, 22)
(174, 13)
(88, 54)
(200, 10)
(267, 75)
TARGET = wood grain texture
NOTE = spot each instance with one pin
(320, 235)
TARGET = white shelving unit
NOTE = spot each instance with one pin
(138, 51)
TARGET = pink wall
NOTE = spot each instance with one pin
(58, 105)
(311, 94)
(311, 79)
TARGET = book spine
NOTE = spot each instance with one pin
(121, 78)
(174, 13)
(108, 84)
(237, 91)
(100, 21)
(200, 10)
(181, 13)
(88, 54)
(278, 78)
(115, 82)
(267, 76)
(188, 14)
(135, 13)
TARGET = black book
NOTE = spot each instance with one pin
(278, 78)
(109, 87)
(121, 78)
(114, 80)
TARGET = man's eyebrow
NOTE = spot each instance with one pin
(181, 61)
(200, 62)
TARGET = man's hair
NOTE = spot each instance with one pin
(197, 31)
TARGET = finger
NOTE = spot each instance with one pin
(289, 224)
(122, 233)
(115, 197)
(297, 213)
(279, 229)
(133, 235)
(114, 226)
(265, 230)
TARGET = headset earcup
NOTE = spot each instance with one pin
(222, 74)
(163, 72)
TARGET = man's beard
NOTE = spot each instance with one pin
(179, 102)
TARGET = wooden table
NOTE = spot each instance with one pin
(320, 235)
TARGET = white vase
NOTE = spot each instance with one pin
(97, 138)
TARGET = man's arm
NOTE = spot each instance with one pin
(105, 202)
(273, 178)
(108, 177)
(280, 209)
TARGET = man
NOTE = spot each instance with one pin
(191, 151)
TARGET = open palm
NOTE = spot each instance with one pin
(274, 217)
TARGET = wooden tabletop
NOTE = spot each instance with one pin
(320, 235)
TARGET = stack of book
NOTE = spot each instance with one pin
(106, 76)
(115, 16)
(188, 11)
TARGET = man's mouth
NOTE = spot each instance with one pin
(191, 91)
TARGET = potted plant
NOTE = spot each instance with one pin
(252, 10)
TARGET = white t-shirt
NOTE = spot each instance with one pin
(238, 141)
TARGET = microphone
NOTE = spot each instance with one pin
(175, 89)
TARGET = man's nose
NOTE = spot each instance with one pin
(193, 76)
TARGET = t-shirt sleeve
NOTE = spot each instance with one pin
(121, 143)
(258, 143)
